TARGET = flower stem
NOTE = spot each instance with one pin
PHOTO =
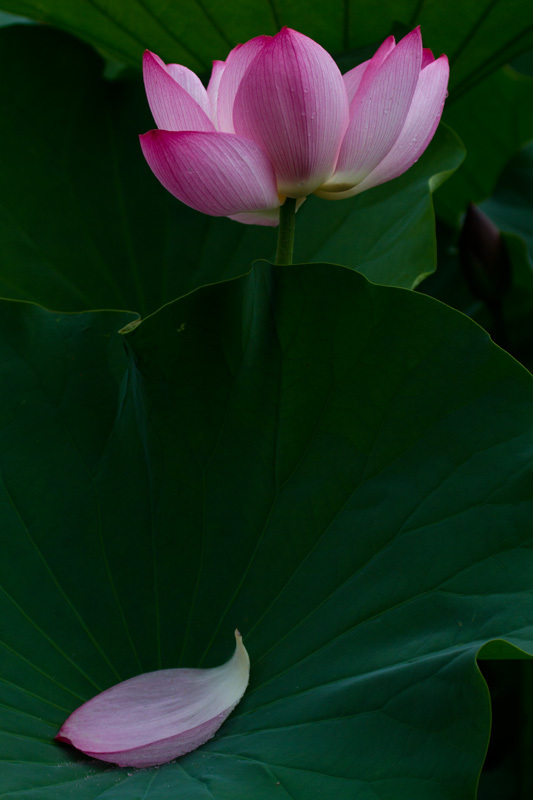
(286, 232)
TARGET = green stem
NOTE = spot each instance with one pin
(286, 232)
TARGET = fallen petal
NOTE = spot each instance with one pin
(156, 717)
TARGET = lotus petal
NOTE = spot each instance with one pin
(293, 103)
(352, 79)
(235, 66)
(270, 217)
(427, 57)
(216, 173)
(212, 89)
(176, 97)
(156, 717)
(368, 69)
(378, 110)
(419, 128)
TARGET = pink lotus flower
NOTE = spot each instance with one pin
(279, 120)
(158, 716)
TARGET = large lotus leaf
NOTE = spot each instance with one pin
(9, 19)
(478, 35)
(341, 469)
(85, 224)
(387, 233)
(494, 121)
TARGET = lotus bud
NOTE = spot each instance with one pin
(483, 257)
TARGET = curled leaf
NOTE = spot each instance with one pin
(156, 717)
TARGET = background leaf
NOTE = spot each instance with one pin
(511, 206)
(510, 319)
(9, 19)
(478, 35)
(494, 121)
(511, 209)
(341, 469)
(86, 225)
